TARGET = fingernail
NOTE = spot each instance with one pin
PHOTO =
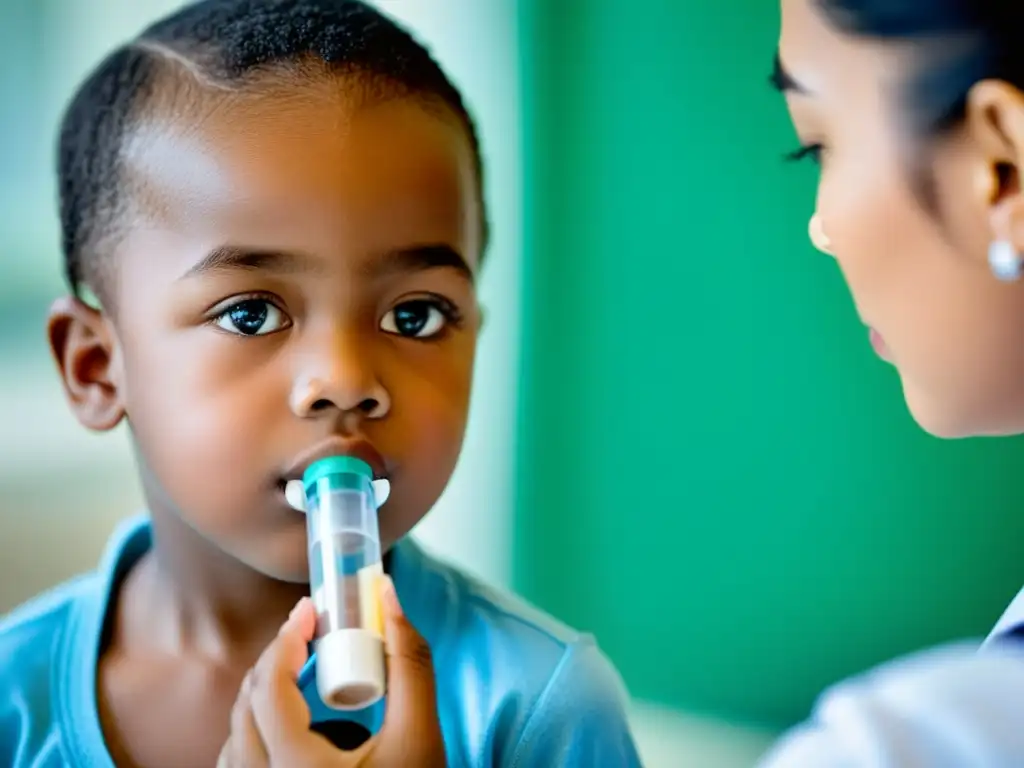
(390, 595)
(298, 607)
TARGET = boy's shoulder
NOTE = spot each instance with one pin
(31, 634)
(34, 640)
(546, 693)
(458, 608)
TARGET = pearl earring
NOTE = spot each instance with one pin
(1004, 261)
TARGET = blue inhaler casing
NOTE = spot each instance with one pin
(345, 572)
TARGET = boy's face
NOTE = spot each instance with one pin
(298, 282)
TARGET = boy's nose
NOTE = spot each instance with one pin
(339, 377)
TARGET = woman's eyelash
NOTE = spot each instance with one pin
(805, 152)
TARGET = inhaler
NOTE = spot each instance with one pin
(345, 573)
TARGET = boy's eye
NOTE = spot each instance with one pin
(252, 317)
(419, 319)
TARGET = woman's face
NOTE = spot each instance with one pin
(918, 274)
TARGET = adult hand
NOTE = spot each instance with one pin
(270, 722)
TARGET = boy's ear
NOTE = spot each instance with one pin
(87, 357)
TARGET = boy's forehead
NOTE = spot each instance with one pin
(248, 168)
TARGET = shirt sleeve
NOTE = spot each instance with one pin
(946, 708)
(580, 718)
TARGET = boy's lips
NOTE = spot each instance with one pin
(337, 446)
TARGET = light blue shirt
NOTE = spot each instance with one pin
(515, 688)
(952, 707)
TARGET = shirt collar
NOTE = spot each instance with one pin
(1011, 623)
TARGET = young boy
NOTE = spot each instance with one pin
(277, 205)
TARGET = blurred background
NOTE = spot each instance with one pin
(680, 440)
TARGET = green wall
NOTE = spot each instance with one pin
(714, 473)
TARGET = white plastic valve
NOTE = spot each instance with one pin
(295, 494)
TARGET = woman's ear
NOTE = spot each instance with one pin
(87, 356)
(995, 120)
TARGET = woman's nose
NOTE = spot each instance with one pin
(816, 231)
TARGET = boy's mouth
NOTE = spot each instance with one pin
(337, 446)
(289, 485)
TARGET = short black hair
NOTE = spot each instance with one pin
(221, 42)
(962, 42)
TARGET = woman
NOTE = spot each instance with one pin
(915, 111)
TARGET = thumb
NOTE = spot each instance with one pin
(412, 694)
(278, 707)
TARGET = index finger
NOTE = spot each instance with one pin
(411, 717)
(278, 706)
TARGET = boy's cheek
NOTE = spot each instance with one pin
(208, 449)
(432, 445)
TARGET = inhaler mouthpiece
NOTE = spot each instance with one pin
(345, 573)
(295, 493)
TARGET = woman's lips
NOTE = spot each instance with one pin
(878, 344)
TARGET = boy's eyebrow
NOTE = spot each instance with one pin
(422, 257)
(781, 80)
(228, 258)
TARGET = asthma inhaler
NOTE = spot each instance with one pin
(345, 572)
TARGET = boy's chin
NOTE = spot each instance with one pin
(285, 577)
(290, 570)
(280, 557)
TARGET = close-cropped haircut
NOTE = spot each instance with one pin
(958, 43)
(961, 42)
(220, 44)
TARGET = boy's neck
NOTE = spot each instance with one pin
(188, 597)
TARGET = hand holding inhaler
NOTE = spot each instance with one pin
(352, 620)
(270, 722)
